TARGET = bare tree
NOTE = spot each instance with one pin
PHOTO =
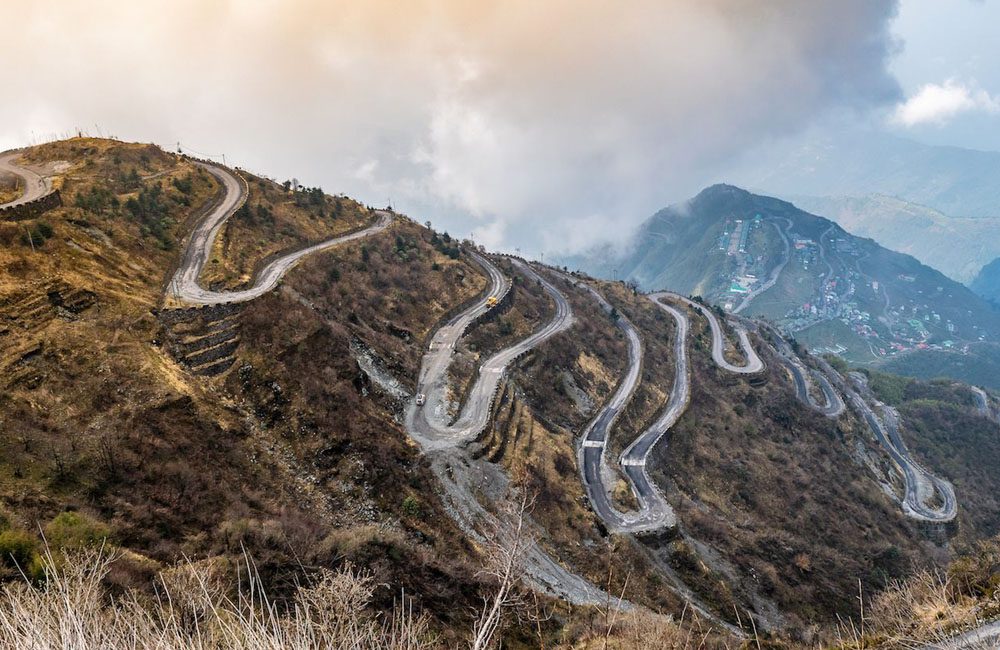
(505, 553)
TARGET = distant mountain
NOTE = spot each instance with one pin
(987, 282)
(951, 180)
(956, 246)
(834, 291)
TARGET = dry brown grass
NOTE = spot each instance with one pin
(274, 222)
(72, 610)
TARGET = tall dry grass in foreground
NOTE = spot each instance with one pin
(927, 611)
(72, 610)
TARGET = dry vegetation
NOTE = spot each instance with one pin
(391, 291)
(294, 465)
(9, 189)
(531, 309)
(931, 608)
(216, 605)
(275, 219)
(533, 438)
(762, 484)
(944, 430)
(296, 457)
(576, 370)
(658, 364)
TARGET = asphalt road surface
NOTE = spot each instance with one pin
(594, 441)
(981, 638)
(428, 423)
(542, 569)
(184, 286)
(983, 403)
(35, 185)
(753, 363)
(803, 377)
(919, 484)
(654, 511)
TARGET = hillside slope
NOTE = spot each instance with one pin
(278, 426)
(987, 282)
(957, 246)
(836, 292)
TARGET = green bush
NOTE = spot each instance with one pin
(37, 235)
(411, 506)
(17, 549)
(891, 389)
(74, 530)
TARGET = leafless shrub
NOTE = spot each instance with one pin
(72, 610)
(507, 546)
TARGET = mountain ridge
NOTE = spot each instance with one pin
(838, 291)
(295, 448)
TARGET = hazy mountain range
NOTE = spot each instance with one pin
(834, 291)
(957, 246)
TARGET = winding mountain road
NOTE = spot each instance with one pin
(428, 422)
(803, 377)
(594, 440)
(455, 471)
(35, 185)
(185, 288)
(983, 406)
(654, 512)
(919, 485)
(753, 363)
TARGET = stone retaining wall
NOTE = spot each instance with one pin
(32, 209)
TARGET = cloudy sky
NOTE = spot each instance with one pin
(541, 124)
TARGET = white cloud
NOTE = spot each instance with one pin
(536, 124)
(939, 103)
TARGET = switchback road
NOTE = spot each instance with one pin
(595, 437)
(654, 511)
(428, 422)
(454, 470)
(35, 185)
(753, 363)
(919, 485)
(803, 377)
(185, 288)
